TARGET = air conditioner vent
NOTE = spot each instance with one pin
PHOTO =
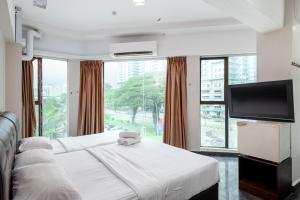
(137, 53)
(133, 49)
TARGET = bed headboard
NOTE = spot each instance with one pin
(9, 129)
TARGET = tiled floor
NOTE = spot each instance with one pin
(228, 186)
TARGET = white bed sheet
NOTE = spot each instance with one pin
(92, 179)
(70, 144)
(174, 168)
(169, 172)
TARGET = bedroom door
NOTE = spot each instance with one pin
(50, 91)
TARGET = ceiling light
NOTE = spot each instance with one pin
(114, 13)
(139, 2)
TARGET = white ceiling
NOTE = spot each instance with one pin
(93, 18)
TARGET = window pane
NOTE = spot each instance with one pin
(134, 96)
(37, 120)
(35, 79)
(54, 98)
(213, 125)
(35, 92)
(212, 80)
(242, 69)
(232, 140)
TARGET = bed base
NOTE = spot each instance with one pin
(211, 193)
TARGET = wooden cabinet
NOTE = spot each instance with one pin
(265, 179)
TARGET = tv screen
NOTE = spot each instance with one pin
(270, 101)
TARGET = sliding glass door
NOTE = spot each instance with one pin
(50, 91)
(134, 96)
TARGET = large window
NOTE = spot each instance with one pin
(217, 129)
(134, 96)
(50, 92)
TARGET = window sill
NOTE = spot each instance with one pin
(218, 150)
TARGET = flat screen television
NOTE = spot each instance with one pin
(269, 101)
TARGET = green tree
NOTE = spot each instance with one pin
(108, 96)
(139, 90)
(154, 96)
(54, 116)
(130, 95)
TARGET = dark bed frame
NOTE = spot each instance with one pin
(9, 130)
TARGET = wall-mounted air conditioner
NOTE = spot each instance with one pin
(133, 49)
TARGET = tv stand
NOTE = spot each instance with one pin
(265, 164)
(265, 179)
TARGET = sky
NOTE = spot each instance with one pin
(55, 72)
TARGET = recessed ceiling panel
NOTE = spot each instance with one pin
(91, 15)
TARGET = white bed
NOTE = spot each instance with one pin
(142, 171)
(148, 170)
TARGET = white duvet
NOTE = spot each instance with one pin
(157, 171)
(70, 144)
(92, 179)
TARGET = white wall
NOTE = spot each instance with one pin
(13, 79)
(296, 126)
(7, 19)
(11, 10)
(73, 94)
(2, 73)
(58, 47)
(193, 103)
(203, 43)
(274, 51)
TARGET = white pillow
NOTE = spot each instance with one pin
(35, 143)
(46, 181)
(34, 156)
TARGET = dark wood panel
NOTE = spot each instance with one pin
(265, 179)
(211, 193)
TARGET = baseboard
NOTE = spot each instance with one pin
(296, 185)
(217, 153)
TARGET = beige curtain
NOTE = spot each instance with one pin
(28, 112)
(91, 97)
(176, 103)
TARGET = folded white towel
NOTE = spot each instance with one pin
(125, 134)
(129, 141)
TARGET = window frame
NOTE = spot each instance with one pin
(39, 101)
(225, 100)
